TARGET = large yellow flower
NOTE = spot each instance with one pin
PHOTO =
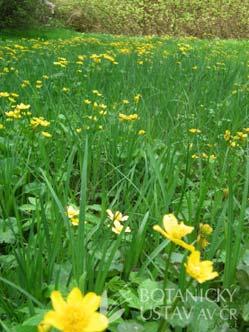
(77, 314)
(174, 231)
(200, 270)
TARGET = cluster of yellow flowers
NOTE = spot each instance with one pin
(39, 121)
(97, 58)
(19, 111)
(62, 62)
(235, 140)
(131, 117)
(204, 156)
(174, 231)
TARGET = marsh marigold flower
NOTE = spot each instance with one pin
(141, 132)
(35, 122)
(205, 231)
(73, 215)
(116, 216)
(77, 314)
(174, 231)
(194, 131)
(118, 227)
(200, 270)
(131, 117)
(46, 134)
(227, 135)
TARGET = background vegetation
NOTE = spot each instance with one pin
(224, 18)
(17, 13)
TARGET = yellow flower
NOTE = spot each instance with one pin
(118, 227)
(225, 192)
(42, 327)
(137, 98)
(87, 101)
(206, 229)
(46, 134)
(212, 157)
(202, 241)
(35, 122)
(77, 314)
(73, 215)
(175, 231)
(1, 126)
(131, 117)
(227, 135)
(141, 132)
(22, 106)
(4, 94)
(233, 144)
(200, 270)
(116, 216)
(194, 131)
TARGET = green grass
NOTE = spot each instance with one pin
(95, 162)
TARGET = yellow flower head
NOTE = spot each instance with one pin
(225, 192)
(131, 117)
(35, 122)
(118, 227)
(137, 98)
(73, 215)
(77, 314)
(206, 229)
(116, 216)
(46, 134)
(4, 94)
(227, 135)
(194, 131)
(174, 231)
(200, 270)
(22, 106)
(141, 132)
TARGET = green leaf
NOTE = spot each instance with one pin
(8, 228)
(245, 312)
(151, 294)
(25, 329)
(35, 320)
(130, 326)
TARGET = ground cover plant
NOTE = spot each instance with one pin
(124, 173)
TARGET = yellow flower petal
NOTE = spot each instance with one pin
(97, 323)
(91, 302)
(75, 296)
(53, 318)
(57, 301)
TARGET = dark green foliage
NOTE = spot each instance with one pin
(19, 13)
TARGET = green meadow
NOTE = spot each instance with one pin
(146, 128)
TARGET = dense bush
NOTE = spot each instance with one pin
(224, 18)
(16, 13)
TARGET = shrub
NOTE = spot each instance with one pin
(18, 13)
(224, 18)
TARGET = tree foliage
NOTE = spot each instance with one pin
(17, 13)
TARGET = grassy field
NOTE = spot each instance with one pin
(151, 127)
